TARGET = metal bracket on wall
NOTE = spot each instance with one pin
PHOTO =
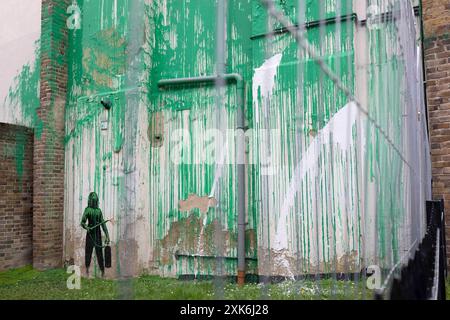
(383, 17)
(185, 255)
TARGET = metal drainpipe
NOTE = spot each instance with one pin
(240, 152)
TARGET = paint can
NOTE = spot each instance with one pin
(107, 257)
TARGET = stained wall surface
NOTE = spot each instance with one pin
(166, 213)
(329, 181)
(341, 193)
(20, 22)
(20, 25)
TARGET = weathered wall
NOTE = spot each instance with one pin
(398, 166)
(20, 22)
(106, 62)
(436, 18)
(184, 45)
(302, 213)
(159, 208)
(340, 192)
(16, 194)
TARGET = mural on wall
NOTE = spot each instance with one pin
(196, 206)
(93, 222)
(98, 155)
(328, 184)
(167, 215)
(332, 183)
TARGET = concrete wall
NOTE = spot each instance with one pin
(327, 208)
(106, 58)
(170, 218)
(158, 208)
(20, 22)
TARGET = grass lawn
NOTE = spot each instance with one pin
(27, 283)
(447, 289)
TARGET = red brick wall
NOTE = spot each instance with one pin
(436, 18)
(48, 200)
(16, 194)
(436, 14)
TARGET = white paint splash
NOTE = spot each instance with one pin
(264, 80)
(219, 170)
(338, 132)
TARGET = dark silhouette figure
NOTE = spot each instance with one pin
(92, 221)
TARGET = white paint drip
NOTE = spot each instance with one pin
(115, 13)
(219, 169)
(337, 132)
(264, 79)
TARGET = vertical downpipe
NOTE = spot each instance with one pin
(240, 134)
(220, 110)
(240, 154)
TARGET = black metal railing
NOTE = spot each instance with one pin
(424, 276)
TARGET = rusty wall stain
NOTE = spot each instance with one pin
(196, 202)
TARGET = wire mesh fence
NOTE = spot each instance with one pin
(314, 171)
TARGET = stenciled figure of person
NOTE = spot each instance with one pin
(92, 221)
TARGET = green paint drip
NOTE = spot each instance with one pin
(25, 93)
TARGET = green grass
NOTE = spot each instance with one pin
(27, 283)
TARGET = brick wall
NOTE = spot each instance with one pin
(16, 193)
(436, 18)
(48, 199)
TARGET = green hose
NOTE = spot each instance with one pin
(93, 240)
